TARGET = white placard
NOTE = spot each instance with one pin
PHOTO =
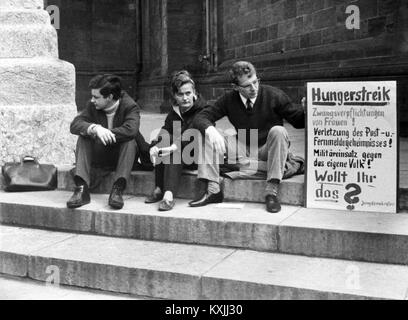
(352, 146)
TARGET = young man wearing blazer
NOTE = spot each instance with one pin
(106, 131)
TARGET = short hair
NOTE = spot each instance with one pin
(239, 69)
(179, 79)
(107, 84)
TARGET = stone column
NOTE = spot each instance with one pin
(37, 90)
(175, 41)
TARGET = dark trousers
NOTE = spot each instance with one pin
(168, 176)
(92, 153)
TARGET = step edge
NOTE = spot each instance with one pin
(200, 279)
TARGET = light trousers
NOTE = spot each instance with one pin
(274, 152)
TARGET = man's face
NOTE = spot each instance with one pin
(248, 86)
(185, 96)
(99, 101)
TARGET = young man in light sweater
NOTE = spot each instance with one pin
(107, 129)
(249, 106)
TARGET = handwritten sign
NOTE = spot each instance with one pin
(352, 146)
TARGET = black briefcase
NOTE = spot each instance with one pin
(29, 175)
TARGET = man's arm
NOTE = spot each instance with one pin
(83, 121)
(293, 113)
(164, 134)
(210, 114)
(205, 122)
(130, 127)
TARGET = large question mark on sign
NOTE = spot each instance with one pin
(351, 197)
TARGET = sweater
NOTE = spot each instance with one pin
(180, 122)
(126, 121)
(272, 106)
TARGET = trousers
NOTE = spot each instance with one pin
(92, 153)
(275, 152)
(168, 173)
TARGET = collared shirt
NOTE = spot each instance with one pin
(244, 100)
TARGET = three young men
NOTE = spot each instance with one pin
(110, 123)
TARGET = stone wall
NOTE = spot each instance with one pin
(172, 40)
(291, 42)
(185, 34)
(256, 28)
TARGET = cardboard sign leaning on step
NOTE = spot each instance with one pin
(352, 146)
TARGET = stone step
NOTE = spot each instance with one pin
(369, 237)
(30, 80)
(179, 271)
(142, 184)
(291, 191)
(28, 41)
(13, 288)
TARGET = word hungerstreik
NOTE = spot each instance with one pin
(361, 97)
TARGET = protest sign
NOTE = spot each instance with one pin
(352, 146)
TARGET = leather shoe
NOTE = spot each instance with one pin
(80, 198)
(115, 198)
(272, 204)
(207, 198)
(166, 205)
(154, 197)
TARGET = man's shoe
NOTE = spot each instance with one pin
(80, 198)
(207, 198)
(272, 204)
(166, 205)
(154, 197)
(115, 198)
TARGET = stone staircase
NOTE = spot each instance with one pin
(235, 250)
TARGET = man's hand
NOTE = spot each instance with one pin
(164, 152)
(106, 136)
(154, 153)
(216, 139)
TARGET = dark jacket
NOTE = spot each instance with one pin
(126, 122)
(271, 107)
(180, 123)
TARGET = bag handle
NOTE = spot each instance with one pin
(28, 159)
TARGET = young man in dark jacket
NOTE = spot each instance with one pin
(169, 146)
(249, 106)
(107, 129)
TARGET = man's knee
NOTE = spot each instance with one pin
(278, 132)
(84, 142)
(129, 145)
